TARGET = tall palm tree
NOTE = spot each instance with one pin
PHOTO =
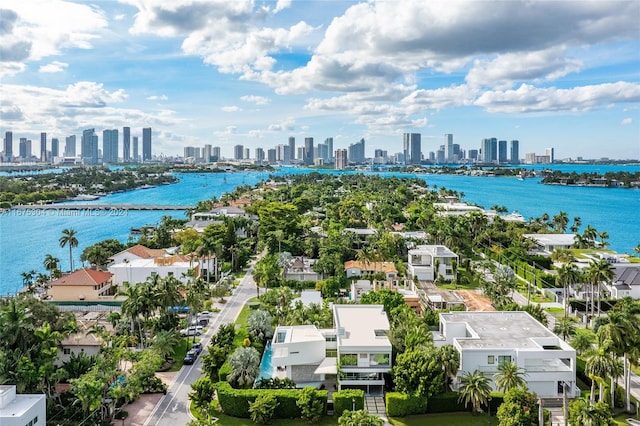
(449, 357)
(475, 389)
(509, 376)
(599, 366)
(69, 238)
(568, 274)
(50, 264)
(565, 327)
(598, 272)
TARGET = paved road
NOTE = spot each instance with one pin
(173, 408)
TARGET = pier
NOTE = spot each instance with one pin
(96, 206)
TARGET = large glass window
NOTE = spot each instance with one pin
(379, 359)
(504, 358)
(331, 353)
(348, 359)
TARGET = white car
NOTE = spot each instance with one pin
(191, 331)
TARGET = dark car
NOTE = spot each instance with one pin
(190, 357)
(197, 347)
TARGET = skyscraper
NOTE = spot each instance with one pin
(146, 144)
(292, 147)
(55, 148)
(216, 153)
(136, 158)
(549, 152)
(70, 146)
(89, 147)
(25, 148)
(329, 143)
(206, 153)
(110, 146)
(43, 146)
(489, 150)
(356, 152)
(308, 151)
(341, 160)
(238, 152)
(448, 148)
(502, 152)
(514, 152)
(126, 144)
(259, 155)
(8, 146)
(271, 155)
(411, 143)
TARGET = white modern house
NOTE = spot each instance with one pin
(137, 252)
(21, 409)
(547, 243)
(138, 270)
(424, 259)
(357, 352)
(486, 339)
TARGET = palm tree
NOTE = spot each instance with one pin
(599, 366)
(69, 238)
(560, 221)
(568, 275)
(582, 341)
(565, 327)
(245, 366)
(475, 389)
(598, 272)
(449, 357)
(165, 343)
(51, 264)
(509, 376)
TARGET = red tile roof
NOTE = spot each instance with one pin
(371, 266)
(145, 252)
(83, 277)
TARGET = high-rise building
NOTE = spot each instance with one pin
(458, 154)
(292, 147)
(110, 146)
(25, 148)
(322, 152)
(448, 148)
(191, 152)
(502, 152)
(70, 146)
(89, 147)
(549, 152)
(411, 143)
(238, 152)
(8, 146)
(356, 152)
(300, 155)
(260, 155)
(283, 155)
(55, 148)
(271, 155)
(489, 150)
(136, 157)
(329, 143)
(514, 152)
(308, 151)
(247, 153)
(206, 153)
(146, 144)
(126, 144)
(440, 156)
(341, 159)
(43, 146)
(216, 154)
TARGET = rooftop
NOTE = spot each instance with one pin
(436, 250)
(371, 266)
(173, 261)
(500, 330)
(296, 334)
(553, 239)
(13, 405)
(357, 325)
(83, 277)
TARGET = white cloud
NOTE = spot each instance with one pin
(228, 131)
(626, 121)
(258, 100)
(231, 108)
(528, 98)
(286, 125)
(281, 5)
(158, 98)
(40, 28)
(53, 67)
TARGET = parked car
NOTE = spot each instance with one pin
(197, 347)
(191, 331)
(200, 321)
(204, 314)
(190, 357)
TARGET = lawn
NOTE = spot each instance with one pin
(555, 311)
(446, 419)
(181, 350)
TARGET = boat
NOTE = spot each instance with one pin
(85, 197)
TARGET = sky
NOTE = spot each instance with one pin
(561, 74)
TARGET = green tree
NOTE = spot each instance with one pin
(598, 272)
(584, 413)
(565, 327)
(203, 392)
(51, 264)
(475, 389)
(390, 299)
(311, 405)
(359, 418)
(418, 372)
(263, 408)
(99, 253)
(259, 326)
(520, 408)
(509, 376)
(582, 341)
(449, 358)
(245, 366)
(69, 239)
(165, 342)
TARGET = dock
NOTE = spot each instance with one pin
(96, 206)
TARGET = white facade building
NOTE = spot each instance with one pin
(423, 260)
(547, 243)
(21, 409)
(486, 339)
(138, 270)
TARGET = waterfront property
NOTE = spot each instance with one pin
(484, 340)
(547, 243)
(136, 252)
(626, 282)
(355, 268)
(428, 262)
(138, 270)
(84, 284)
(21, 409)
(310, 356)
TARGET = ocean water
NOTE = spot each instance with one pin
(25, 240)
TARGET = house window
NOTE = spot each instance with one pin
(331, 353)
(330, 338)
(348, 359)
(491, 359)
(364, 356)
(379, 359)
(66, 351)
(504, 358)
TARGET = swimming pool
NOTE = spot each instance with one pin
(266, 368)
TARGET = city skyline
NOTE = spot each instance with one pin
(242, 72)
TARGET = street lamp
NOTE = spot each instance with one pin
(353, 404)
(489, 411)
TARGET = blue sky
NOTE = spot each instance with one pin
(562, 74)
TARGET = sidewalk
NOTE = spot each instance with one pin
(140, 409)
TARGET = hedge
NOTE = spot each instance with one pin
(235, 402)
(448, 403)
(343, 400)
(400, 404)
(224, 371)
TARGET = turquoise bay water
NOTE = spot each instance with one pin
(25, 240)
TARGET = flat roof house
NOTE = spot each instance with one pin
(486, 339)
(423, 260)
(21, 409)
(547, 243)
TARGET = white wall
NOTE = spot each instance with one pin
(299, 353)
